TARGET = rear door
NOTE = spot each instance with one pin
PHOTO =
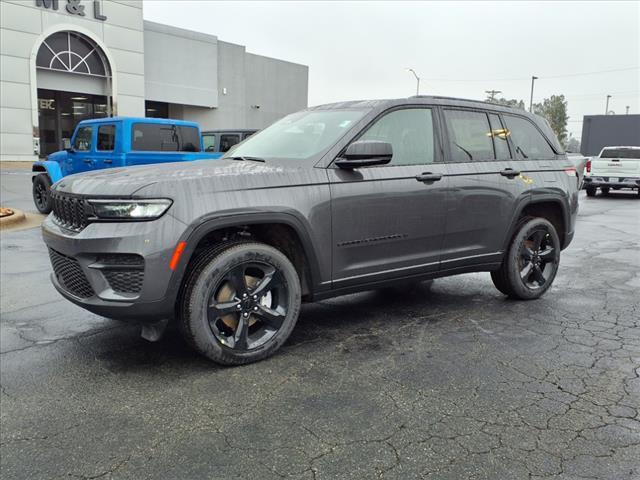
(484, 187)
(388, 221)
(106, 154)
(617, 164)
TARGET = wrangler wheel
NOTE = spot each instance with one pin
(240, 302)
(41, 190)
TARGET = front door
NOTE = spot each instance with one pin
(388, 221)
(82, 155)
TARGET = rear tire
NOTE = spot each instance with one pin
(591, 191)
(240, 302)
(604, 190)
(41, 190)
(531, 262)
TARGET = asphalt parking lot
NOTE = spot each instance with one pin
(445, 381)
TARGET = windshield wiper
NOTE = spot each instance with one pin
(464, 150)
(252, 159)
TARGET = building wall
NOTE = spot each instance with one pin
(599, 131)
(246, 82)
(180, 66)
(215, 83)
(23, 27)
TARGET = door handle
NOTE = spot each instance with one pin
(428, 177)
(88, 160)
(108, 161)
(510, 173)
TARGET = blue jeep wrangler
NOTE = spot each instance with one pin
(118, 142)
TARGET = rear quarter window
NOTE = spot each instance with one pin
(150, 137)
(528, 142)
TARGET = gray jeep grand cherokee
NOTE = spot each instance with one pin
(330, 200)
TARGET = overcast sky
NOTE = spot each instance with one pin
(360, 50)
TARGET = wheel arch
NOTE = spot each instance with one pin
(550, 207)
(49, 167)
(283, 231)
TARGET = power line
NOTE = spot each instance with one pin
(528, 78)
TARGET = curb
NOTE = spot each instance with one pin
(20, 221)
(18, 216)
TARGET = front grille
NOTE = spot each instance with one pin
(69, 211)
(125, 281)
(70, 275)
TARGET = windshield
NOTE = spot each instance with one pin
(620, 153)
(299, 135)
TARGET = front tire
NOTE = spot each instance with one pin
(531, 262)
(240, 302)
(41, 190)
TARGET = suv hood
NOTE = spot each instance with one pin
(169, 178)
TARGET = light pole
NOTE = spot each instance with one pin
(417, 80)
(627, 107)
(606, 109)
(533, 79)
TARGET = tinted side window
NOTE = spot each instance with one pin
(499, 136)
(247, 135)
(227, 141)
(189, 139)
(410, 133)
(209, 142)
(150, 137)
(469, 136)
(106, 137)
(528, 141)
(82, 143)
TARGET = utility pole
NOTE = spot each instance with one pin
(417, 80)
(627, 107)
(533, 79)
(492, 94)
(606, 109)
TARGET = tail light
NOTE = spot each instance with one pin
(588, 166)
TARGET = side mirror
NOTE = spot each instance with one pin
(365, 153)
(66, 144)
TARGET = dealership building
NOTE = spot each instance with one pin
(63, 61)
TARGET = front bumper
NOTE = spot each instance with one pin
(612, 182)
(117, 270)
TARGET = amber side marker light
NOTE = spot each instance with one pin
(177, 253)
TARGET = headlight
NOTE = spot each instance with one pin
(130, 209)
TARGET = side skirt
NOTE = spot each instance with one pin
(483, 267)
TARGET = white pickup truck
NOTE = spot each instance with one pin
(615, 167)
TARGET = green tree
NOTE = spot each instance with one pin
(509, 103)
(554, 109)
(573, 144)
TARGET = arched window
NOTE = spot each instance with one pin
(71, 52)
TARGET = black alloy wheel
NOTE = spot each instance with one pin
(538, 258)
(247, 306)
(239, 302)
(531, 261)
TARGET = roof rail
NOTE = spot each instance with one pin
(441, 97)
